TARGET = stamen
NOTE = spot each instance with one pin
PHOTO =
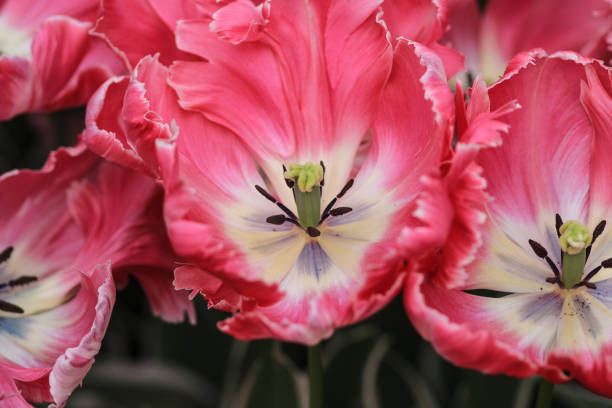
(276, 219)
(346, 188)
(606, 263)
(327, 209)
(280, 205)
(6, 254)
(541, 252)
(264, 193)
(598, 230)
(596, 233)
(323, 179)
(554, 269)
(9, 307)
(558, 224)
(591, 274)
(290, 183)
(22, 280)
(313, 232)
(340, 211)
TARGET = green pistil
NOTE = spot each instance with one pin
(574, 240)
(307, 190)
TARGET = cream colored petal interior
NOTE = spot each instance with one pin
(13, 41)
(286, 254)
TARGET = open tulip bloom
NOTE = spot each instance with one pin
(534, 297)
(293, 206)
(64, 228)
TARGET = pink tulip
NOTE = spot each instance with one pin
(281, 84)
(48, 60)
(66, 230)
(295, 83)
(539, 242)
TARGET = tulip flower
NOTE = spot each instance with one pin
(67, 229)
(530, 295)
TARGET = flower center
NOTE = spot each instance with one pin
(306, 182)
(576, 242)
(7, 286)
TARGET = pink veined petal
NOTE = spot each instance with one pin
(453, 322)
(424, 121)
(239, 21)
(104, 133)
(280, 94)
(60, 50)
(310, 317)
(478, 126)
(595, 376)
(510, 27)
(213, 171)
(595, 95)
(453, 60)
(36, 391)
(150, 33)
(15, 85)
(553, 172)
(30, 13)
(423, 21)
(218, 294)
(464, 29)
(121, 216)
(172, 12)
(10, 397)
(126, 117)
(72, 366)
(44, 191)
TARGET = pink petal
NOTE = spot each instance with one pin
(423, 21)
(279, 94)
(125, 117)
(219, 294)
(104, 133)
(510, 27)
(10, 397)
(450, 320)
(595, 95)
(239, 21)
(553, 172)
(15, 79)
(70, 368)
(416, 107)
(152, 32)
(121, 216)
(30, 14)
(464, 29)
